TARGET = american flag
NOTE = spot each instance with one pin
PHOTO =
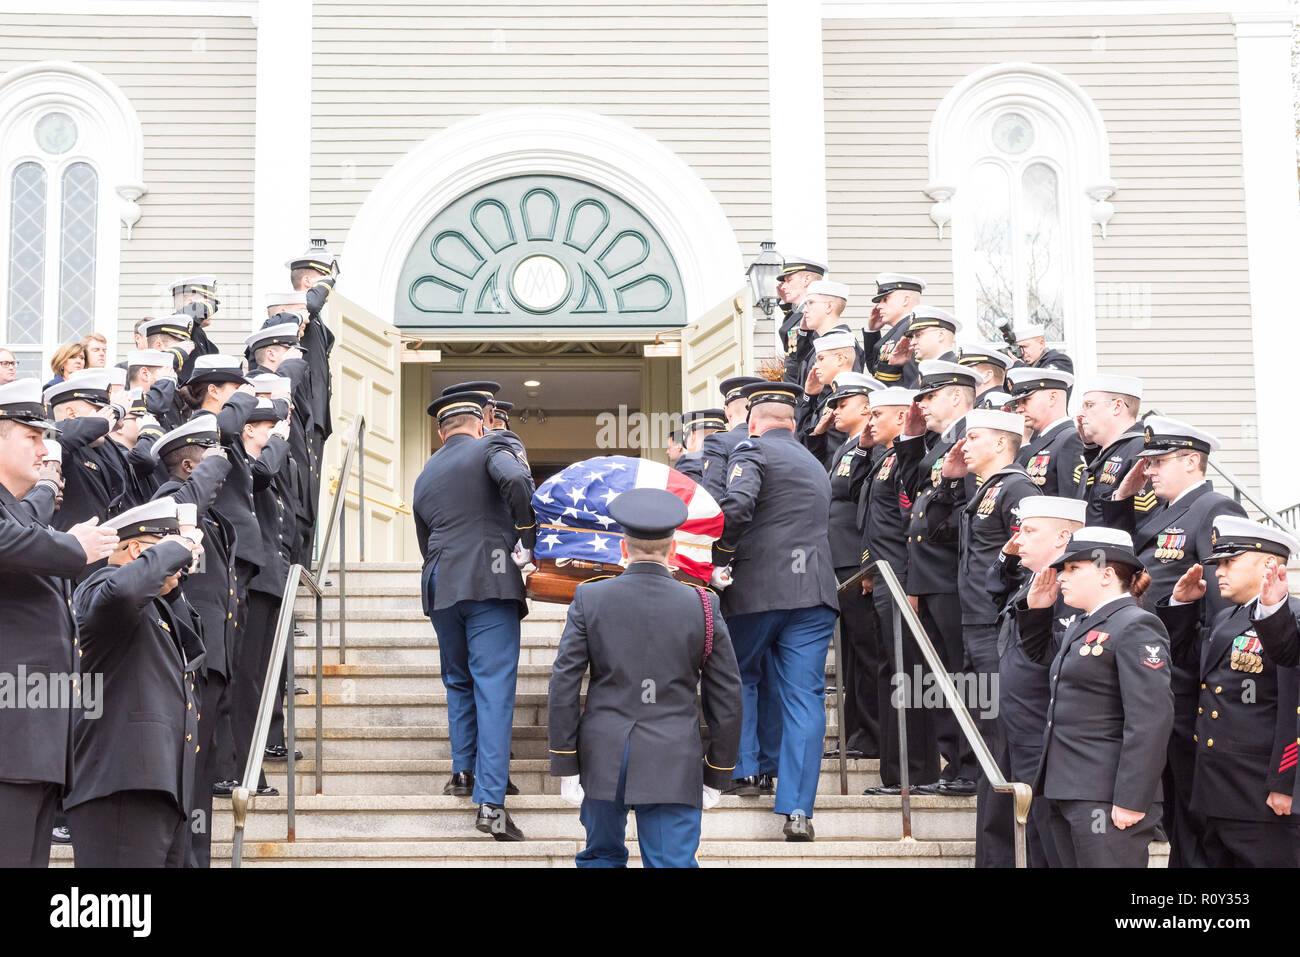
(573, 512)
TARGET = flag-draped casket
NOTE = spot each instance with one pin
(578, 541)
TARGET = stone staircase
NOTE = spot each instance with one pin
(387, 756)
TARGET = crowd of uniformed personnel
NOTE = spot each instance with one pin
(1115, 625)
(149, 514)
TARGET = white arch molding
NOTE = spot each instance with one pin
(565, 142)
(1083, 169)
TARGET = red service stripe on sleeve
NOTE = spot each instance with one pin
(904, 501)
(1286, 765)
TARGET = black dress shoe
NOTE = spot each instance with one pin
(61, 835)
(298, 632)
(511, 787)
(299, 689)
(744, 787)
(766, 785)
(798, 828)
(267, 790)
(224, 788)
(957, 787)
(885, 789)
(495, 820)
(849, 752)
(932, 788)
(278, 752)
(460, 784)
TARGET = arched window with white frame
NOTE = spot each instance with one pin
(71, 154)
(1019, 164)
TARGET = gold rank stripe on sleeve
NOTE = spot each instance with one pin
(553, 751)
(716, 768)
(1145, 501)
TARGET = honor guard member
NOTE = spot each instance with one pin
(474, 594)
(933, 334)
(39, 638)
(264, 442)
(173, 335)
(1112, 437)
(196, 465)
(133, 765)
(697, 426)
(717, 446)
(887, 357)
(1053, 456)
(796, 275)
(990, 363)
(823, 310)
(776, 540)
(1032, 342)
(133, 439)
(145, 368)
(1169, 540)
(1245, 742)
(196, 297)
(1110, 709)
(834, 353)
(1046, 524)
(932, 427)
(489, 391)
(884, 506)
(626, 749)
(314, 274)
(674, 449)
(987, 521)
(1278, 630)
(849, 404)
(94, 481)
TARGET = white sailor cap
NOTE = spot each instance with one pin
(887, 282)
(281, 334)
(995, 419)
(1096, 543)
(1163, 435)
(1054, 506)
(1120, 384)
(201, 430)
(116, 376)
(1024, 380)
(1231, 535)
(268, 410)
(1028, 330)
(291, 298)
(938, 373)
(838, 339)
(156, 517)
(974, 353)
(794, 264)
(849, 383)
(924, 317)
(21, 401)
(318, 257)
(178, 325)
(894, 395)
(89, 385)
(268, 383)
(205, 284)
(53, 450)
(994, 399)
(151, 358)
(217, 368)
(828, 287)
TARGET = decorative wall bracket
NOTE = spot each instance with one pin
(1101, 210)
(941, 211)
(128, 209)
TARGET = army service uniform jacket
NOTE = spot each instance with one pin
(775, 536)
(1109, 714)
(1054, 459)
(472, 502)
(691, 464)
(715, 451)
(642, 692)
(1245, 718)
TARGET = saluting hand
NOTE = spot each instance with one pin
(902, 352)
(876, 319)
(913, 420)
(954, 462)
(95, 540)
(1274, 588)
(1122, 817)
(824, 423)
(1044, 589)
(1134, 481)
(1191, 587)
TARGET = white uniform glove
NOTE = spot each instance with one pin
(571, 789)
(147, 421)
(521, 556)
(711, 797)
(721, 577)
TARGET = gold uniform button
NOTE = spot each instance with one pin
(1202, 685)
(188, 736)
(1200, 711)
(196, 749)
(229, 616)
(1214, 714)
(189, 706)
(918, 538)
(1195, 738)
(1218, 689)
(1209, 742)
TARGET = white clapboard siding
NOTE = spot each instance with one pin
(1167, 91)
(192, 81)
(691, 74)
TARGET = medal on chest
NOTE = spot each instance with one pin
(936, 472)
(846, 461)
(1092, 644)
(1246, 653)
(1170, 544)
(1110, 471)
(988, 502)
(886, 350)
(791, 340)
(885, 468)
(1037, 467)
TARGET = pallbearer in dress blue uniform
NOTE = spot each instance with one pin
(1053, 456)
(698, 426)
(475, 526)
(1110, 710)
(491, 421)
(717, 446)
(648, 641)
(1245, 740)
(776, 541)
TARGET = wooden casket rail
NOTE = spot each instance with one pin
(556, 583)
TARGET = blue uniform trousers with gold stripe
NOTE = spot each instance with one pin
(668, 834)
(798, 640)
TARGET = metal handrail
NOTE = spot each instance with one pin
(903, 612)
(1239, 492)
(280, 663)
